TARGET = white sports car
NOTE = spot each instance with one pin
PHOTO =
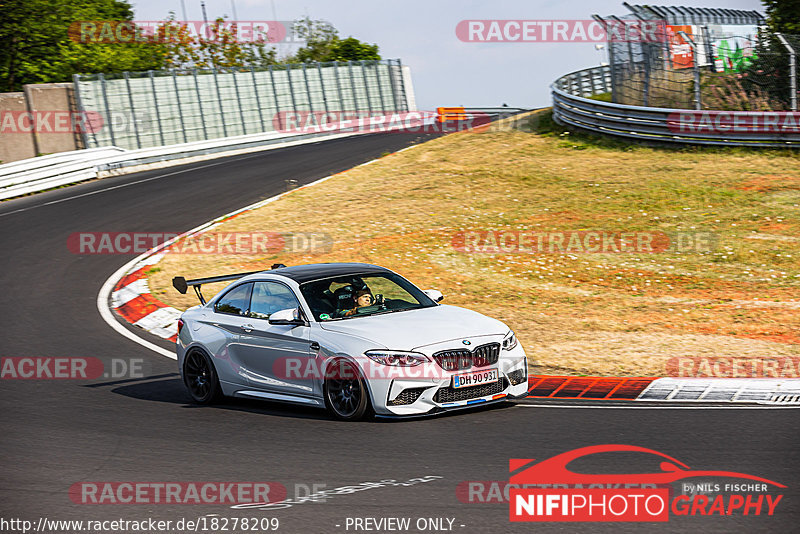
(358, 339)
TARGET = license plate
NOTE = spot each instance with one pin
(476, 378)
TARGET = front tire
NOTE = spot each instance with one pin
(200, 378)
(346, 395)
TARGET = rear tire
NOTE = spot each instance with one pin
(200, 378)
(346, 395)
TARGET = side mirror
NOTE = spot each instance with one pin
(289, 316)
(434, 294)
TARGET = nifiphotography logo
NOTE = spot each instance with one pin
(549, 491)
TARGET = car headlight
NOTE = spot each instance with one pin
(510, 341)
(397, 357)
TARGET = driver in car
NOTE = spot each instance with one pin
(362, 298)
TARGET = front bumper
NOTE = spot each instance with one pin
(418, 396)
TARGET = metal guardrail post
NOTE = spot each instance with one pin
(352, 85)
(109, 120)
(792, 70)
(338, 85)
(402, 85)
(695, 68)
(377, 65)
(631, 69)
(708, 45)
(275, 96)
(322, 86)
(133, 109)
(389, 70)
(239, 102)
(308, 92)
(76, 79)
(291, 87)
(611, 57)
(366, 85)
(155, 102)
(646, 90)
(199, 103)
(180, 109)
(219, 100)
(258, 99)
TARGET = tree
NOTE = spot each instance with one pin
(783, 15)
(323, 44)
(220, 48)
(42, 43)
(351, 49)
(768, 73)
(37, 47)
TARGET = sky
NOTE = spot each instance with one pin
(422, 33)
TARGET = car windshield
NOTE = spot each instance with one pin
(345, 297)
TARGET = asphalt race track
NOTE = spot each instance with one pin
(59, 432)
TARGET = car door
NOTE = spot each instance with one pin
(278, 357)
(230, 313)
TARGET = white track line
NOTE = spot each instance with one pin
(111, 188)
(108, 286)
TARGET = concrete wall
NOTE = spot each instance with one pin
(46, 129)
(14, 145)
(52, 97)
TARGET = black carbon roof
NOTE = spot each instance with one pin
(318, 271)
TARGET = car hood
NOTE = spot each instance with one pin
(412, 329)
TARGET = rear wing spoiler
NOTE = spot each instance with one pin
(182, 284)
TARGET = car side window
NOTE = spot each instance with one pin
(269, 297)
(236, 301)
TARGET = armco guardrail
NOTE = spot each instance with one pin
(571, 107)
(46, 172)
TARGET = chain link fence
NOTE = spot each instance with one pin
(704, 67)
(155, 108)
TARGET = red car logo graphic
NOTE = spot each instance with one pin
(554, 470)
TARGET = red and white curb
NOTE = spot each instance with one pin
(131, 300)
(708, 390)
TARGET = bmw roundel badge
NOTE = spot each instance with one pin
(467, 342)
